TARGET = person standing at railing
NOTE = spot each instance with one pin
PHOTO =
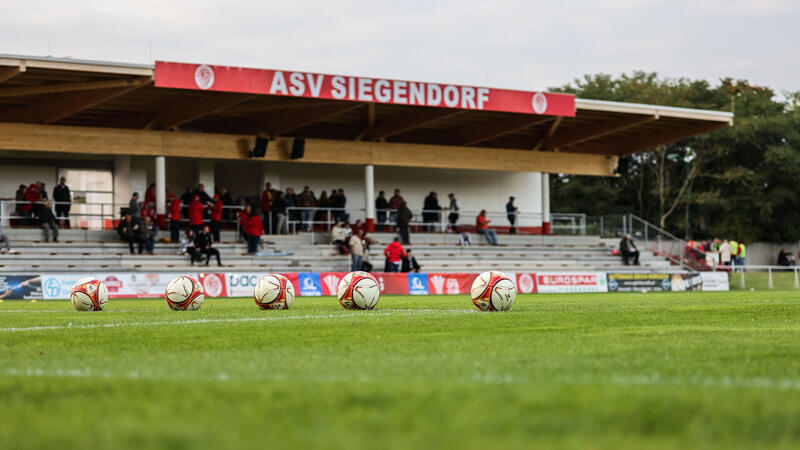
(29, 209)
(254, 228)
(742, 256)
(321, 215)
(267, 198)
(174, 218)
(404, 216)
(482, 227)
(430, 214)
(381, 205)
(150, 194)
(725, 253)
(196, 214)
(63, 201)
(42, 191)
(242, 217)
(133, 206)
(454, 207)
(734, 251)
(511, 212)
(19, 211)
(342, 205)
(216, 217)
(394, 205)
(305, 200)
(48, 222)
(279, 212)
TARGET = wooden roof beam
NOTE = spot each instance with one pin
(10, 72)
(408, 122)
(550, 132)
(71, 87)
(477, 134)
(298, 118)
(65, 105)
(569, 137)
(195, 109)
(642, 142)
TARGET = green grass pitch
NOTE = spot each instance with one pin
(600, 371)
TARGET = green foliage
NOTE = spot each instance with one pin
(599, 371)
(746, 180)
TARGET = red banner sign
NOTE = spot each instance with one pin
(359, 89)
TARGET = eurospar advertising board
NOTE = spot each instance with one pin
(360, 89)
(241, 284)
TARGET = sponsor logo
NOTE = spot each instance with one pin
(438, 284)
(204, 77)
(240, 280)
(539, 103)
(453, 287)
(52, 287)
(331, 282)
(113, 283)
(568, 280)
(418, 284)
(525, 283)
(212, 284)
(309, 283)
(381, 284)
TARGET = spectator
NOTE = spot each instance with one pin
(187, 196)
(734, 251)
(254, 228)
(227, 202)
(149, 230)
(305, 200)
(129, 230)
(279, 213)
(5, 241)
(216, 217)
(291, 202)
(394, 253)
(42, 191)
(150, 194)
(174, 218)
(381, 205)
(410, 263)
(511, 211)
(267, 198)
(742, 256)
(396, 200)
(31, 196)
(453, 216)
(19, 209)
(196, 214)
(628, 250)
(785, 259)
(63, 201)
(482, 227)
(244, 216)
(147, 211)
(334, 202)
(188, 247)
(204, 245)
(133, 206)
(342, 204)
(404, 216)
(430, 211)
(202, 194)
(356, 245)
(323, 203)
(725, 253)
(48, 222)
(338, 236)
(466, 239)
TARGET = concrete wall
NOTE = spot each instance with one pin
(766, 254)
(11, 176)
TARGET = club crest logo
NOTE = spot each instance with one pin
(525, 283)
(539, 103)
(204, 77)
(212, 284)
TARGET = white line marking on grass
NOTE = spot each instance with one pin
(343, 315)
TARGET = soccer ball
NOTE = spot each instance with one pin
(493, 291)
(358, 290)
(184, 293)
(274, 291)
(89, 294)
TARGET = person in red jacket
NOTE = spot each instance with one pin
(254, 228)
(394, 253)
(243, 217)
(196, 214)
(266, 204)
(150, 194)
(216, 217)
(175, 218)
(32, 196)
(482, 227)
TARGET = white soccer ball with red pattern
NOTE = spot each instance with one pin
(358, 290)
(184, 293)
(274, 291)
(493, 291)
(89, 294)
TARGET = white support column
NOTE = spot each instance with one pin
(205, 175)
(161, 188)
(545, 203)
(369, 187)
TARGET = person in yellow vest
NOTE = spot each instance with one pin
(742, 255)
(734, 252)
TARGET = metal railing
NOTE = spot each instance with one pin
(765, 277)
(650, 237)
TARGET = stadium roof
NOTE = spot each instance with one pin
(106, 95)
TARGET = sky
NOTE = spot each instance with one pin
(529, 45)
